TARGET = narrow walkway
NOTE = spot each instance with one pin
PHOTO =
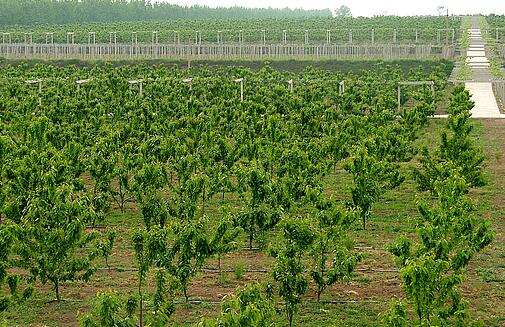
(481, 87)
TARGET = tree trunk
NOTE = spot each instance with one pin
(121, 198)
(203, 201)
(186, 294)
(57, 290)
(141, 305)
(250, 239)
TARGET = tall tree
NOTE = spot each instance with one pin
(343, 12)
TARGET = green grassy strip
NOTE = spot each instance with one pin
(495, 62)
(465, 72)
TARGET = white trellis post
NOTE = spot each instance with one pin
(91, 41)
(241, 81)
(176, 37)
(198, 41)
(417, 36)
(497, 35)
(189, 81)
(140, 84)
(306, 36)
(373, 36)
(39, 82)
(438, 36)
(415, 83)
(290, 84)
(264, 36)
(399, 95)
(284, 36)
(81, 82)
(328, 36)
(134, 44)
(198, 37)
(240, 37)
(6, 36)
(341, 87)
(113, 39)
(350, 36)
(70, 37)
(219, 37)
(28, 40)
(394, 35)
(154, 43)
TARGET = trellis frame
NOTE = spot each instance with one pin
(341, 87)
(82, 82)
(70, 38)
(290, 85)
(139, 82)
(414, 83)
(49, 37)
(241, 81)
(91, 37)
(9, 37)
(39, 82)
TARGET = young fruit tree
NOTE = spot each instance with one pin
(432, 269)
(251, 306)
(289, 270)
(331, 252)
(53, 243)
(256, 187)
(456, 148)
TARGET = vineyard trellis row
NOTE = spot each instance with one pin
(410, 35)
(290, 83)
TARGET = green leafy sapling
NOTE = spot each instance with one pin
(251, 306)
(106, 244)
(144, 262)
(289, 270)
(331, 252)
(110, 311)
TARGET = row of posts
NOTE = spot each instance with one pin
(189, 81)
(70, 37)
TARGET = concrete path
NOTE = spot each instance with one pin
(481, 87)
(485, 101)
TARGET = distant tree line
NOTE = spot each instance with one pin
(29, 12)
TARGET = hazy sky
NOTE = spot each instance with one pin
(367, 8)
